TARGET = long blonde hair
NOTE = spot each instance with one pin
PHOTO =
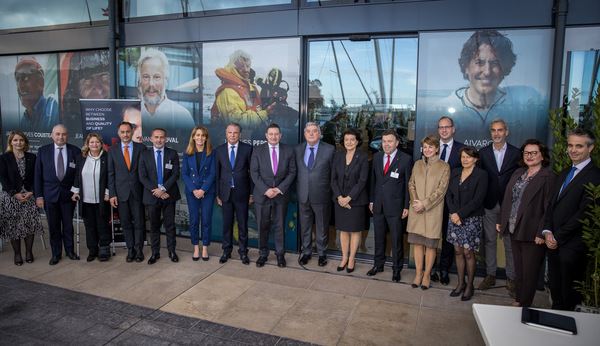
(191, 149)
(86, 148)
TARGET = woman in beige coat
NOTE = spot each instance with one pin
(427, 188)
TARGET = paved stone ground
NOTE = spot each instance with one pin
(38, 314)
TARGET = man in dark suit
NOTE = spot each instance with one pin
(449, 153)
(273, 169)
(389, 202)
(313, 161)
(499, 159)
(54, 175)
(567, 254)
(234, 189)
(126, 190)
(159, 172)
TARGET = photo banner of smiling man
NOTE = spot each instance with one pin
(476, 77)
(104, 116)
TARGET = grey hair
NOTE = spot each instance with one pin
(240, 55)
(233, 123)
(60, 125)
(153, 53)
(579, 132)
(499, 120)
(312, 123)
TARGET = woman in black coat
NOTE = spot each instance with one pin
(466, 192)
(19, 216)
(91, 189)
(349, 176)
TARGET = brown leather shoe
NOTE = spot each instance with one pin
(488, 282)
(510, 286)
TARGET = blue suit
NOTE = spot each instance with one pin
(202, 178)
(57, 195)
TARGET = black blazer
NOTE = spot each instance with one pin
(531, 215)
(46, 184)
(466, 199)
(241, 171)
(123, 182)
(565, 211)
(454, 159)
(9, 173)
(149, 175)
(390, 195)
(355, 183)
(262, 173)
(102, 185)
(497, 180)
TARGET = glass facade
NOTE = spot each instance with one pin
(146, 8)
(18, 14)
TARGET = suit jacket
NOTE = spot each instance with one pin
(123, 182)
(9, 173)
(454, 159)
(497, 180)
(46, 183)
(315, 183)
(531, 214)
(353, 184)
(149, 175)
(102, 185)
(390, 195)
(565, 211)
(262, 173)
(194, 179)
(241, 171)
(466, 199)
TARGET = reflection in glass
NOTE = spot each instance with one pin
(583, 75)
(139, 8)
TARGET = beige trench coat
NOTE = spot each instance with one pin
(428, 183)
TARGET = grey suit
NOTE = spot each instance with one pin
(314, 196)
(274, 209)
(124, 184)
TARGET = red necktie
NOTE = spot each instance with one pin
(387, 165)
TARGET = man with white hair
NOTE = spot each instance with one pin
(158, 111)
(237, 99)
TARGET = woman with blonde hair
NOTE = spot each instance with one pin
(91, 189)
(427, 188)
(198, 172)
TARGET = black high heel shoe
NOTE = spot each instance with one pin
(456, 294)
(465, 298)
(348, 270)
(29, 258)
(18, 259)
(339, 269)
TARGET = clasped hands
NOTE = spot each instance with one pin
(159, 193)
(344, 202)
(418, 206)
(273, 192)
(23, 197)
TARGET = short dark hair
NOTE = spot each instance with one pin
(354, 132)
(469, 150)
(543, 150)
(160, 129)
(390, 132)
(126, 123)
(451, 121)
(579, 132)
(273, 126)
(501, 45)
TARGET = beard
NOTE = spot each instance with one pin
(152, 101)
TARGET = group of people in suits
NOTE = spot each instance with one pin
(455, 194)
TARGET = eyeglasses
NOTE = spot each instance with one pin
(445, 127)
(530, 153)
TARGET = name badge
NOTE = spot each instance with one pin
(168, 166)
(72, 164)
(395, 175)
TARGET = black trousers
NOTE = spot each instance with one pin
(131, 214)
(237, 207)
(393, 224)
(60, 225)
(565, 265)
(162, 213)
(97, 232)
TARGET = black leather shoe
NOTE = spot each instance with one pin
(434, 277)
(130, 255)
(260, 262)
(340, 268)
(103, 257)
(281, 261)
(90, 258)
(374, 271)
(153, 258)
(29, 258)
(304, 259)
(245, 259)
(396, 276)
(73, 256)
(173, 256)
(444, 279)
(350, 270)
(322, 261)
(139, 257)
(54, 260)
(224, 258)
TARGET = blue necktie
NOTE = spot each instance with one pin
(568, 179)
(232, 159)
(311, 159)
(443, 156)
(159, 167)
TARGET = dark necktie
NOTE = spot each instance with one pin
(443, 156)
(232, 159)
(159, 168)
(311, 159)
(387, 165)
(60, 165)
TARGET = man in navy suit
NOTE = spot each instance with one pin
(234, 189)
(126, 190)
(389, 202)
(159, 172)
(54, 176)
(563, 230)
(499, 160)
(449, 153)
(273, 169)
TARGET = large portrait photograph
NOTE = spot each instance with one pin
(476, 77)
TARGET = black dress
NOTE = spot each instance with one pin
(350, 180)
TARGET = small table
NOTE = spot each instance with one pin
(501, 325)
